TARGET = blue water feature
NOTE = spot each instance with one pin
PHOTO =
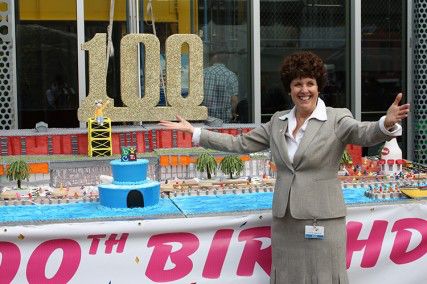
(176, 206)
(78, 211)
(223, 203)
(357, 196)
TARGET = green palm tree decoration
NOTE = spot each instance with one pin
(232, 165)
(206, 162)
(346, 158)
(18, 170)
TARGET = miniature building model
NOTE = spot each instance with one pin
(391, 158)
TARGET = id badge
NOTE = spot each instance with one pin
(314, 232)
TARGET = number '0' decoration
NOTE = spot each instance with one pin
(145, 109)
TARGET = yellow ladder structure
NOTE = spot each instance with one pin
(99, 138)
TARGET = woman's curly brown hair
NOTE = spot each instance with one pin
(304, 64)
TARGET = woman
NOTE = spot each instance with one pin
(306, 143)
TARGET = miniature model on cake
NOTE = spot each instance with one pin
(99, 132)
(418, 187)
(383, 191)
(130, 186)
(99, 111)
(391, 158)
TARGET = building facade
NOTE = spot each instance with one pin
(372, 51)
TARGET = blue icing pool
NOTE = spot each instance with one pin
(187, 205)
(223, 203)
(74, 211)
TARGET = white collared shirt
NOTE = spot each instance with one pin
(319, 113)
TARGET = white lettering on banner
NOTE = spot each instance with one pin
(179, 251)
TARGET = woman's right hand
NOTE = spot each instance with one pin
(181, 125)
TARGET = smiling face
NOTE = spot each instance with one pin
(304, 94)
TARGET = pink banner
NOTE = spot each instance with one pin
(385, 243)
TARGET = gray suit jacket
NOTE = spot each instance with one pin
(310, 183)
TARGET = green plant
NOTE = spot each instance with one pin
(206, 162)
(346, 158)
(231, 165)
(18, 170)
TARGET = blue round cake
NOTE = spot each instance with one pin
(132, 172)
(131, 187)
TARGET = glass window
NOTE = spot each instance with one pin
(289, 26)
(224, 28)
(47, 57)
(47, 62)
(383, 59)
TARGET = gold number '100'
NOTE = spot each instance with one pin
(144, 109)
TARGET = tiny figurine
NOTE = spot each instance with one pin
(128, 154)
(132, 153)
(125, 154)
(99, 111)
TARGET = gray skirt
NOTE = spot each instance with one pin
(297, 260)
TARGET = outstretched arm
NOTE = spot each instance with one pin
(351, 131)
(253, 141)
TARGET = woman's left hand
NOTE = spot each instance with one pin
(396, 113)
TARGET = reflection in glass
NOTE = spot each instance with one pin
(47, 63)
(224, 28)
(383, 66)
(290, 26)
(47, 57)
(221, 88)
(382, 48)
